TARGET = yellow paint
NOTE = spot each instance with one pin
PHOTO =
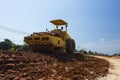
(57, 37)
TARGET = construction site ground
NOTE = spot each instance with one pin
(51, 66)
(114, 69)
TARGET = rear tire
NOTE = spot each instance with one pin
(70, 46)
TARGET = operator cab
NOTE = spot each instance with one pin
(60, 23)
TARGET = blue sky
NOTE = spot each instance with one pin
(94, 24)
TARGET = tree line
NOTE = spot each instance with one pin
(9, 45)
(82, 51)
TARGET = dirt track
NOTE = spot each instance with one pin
(38, 66)
(114, 69)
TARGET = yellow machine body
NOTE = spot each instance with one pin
(49, 40)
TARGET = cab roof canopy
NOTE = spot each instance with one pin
(59, 22)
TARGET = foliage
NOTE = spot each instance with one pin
(24, 47)
(9, 45)
(87, 52)
(82, 51)
(6, 44)
(116, 54)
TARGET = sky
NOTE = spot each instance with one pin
(93, 24)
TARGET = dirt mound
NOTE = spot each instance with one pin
(41, 66)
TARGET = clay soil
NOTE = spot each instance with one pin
(49, 66)
(114, 69)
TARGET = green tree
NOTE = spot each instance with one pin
(95, 53)
(9, 45)
(6, 44)
(83, 51)
(90, 52)
(25, 47)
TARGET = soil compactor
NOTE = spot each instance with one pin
(51, 41)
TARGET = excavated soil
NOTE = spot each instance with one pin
(44, 66)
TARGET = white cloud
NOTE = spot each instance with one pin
(102, 39)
